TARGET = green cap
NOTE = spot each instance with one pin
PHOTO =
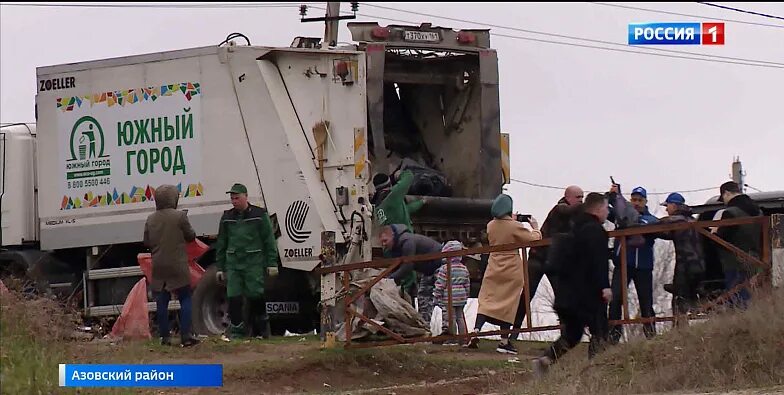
(238, 188)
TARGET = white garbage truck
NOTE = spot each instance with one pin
(305, 128)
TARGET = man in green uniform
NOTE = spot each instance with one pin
(245, 254)
(391, 208)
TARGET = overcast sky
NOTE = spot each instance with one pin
(575, 115)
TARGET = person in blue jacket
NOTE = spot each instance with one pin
(639, 258)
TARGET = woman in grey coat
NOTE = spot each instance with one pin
(167, 232)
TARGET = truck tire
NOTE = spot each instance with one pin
(210, 306)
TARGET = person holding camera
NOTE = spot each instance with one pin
(501, 298)
(558, 221)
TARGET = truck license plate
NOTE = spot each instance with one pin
(428, 37)
(282, 308)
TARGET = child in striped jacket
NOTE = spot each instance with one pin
(461, 288)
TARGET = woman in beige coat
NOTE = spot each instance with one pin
(501, 296)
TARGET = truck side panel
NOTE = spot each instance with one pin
(203, 134)
(239, 114)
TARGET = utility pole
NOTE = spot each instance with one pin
(331, 21)
(737, 174)
(331, 25)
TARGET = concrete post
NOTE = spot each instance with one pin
(328, 283)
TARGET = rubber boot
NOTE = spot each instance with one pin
(236, 329)
(263, 327)
(260, 319)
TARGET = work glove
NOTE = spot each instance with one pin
(272, 271)
(221, 277)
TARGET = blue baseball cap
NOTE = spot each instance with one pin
(640, 191)
(675, 198)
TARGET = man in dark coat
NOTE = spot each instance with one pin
(398, 241)
(584, 285)
(166, 233)
(559, 220)
(748, 238)
(689, 260)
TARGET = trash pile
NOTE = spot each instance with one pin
(384, 305)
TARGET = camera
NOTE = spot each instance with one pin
(523, 218)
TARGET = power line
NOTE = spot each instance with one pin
(584, 45)
(171, 5)
(740, 10)
(564, 36)
(561, 188)
(688, 15)
(537, 185)
(638, 52)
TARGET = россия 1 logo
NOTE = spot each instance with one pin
(676, 33)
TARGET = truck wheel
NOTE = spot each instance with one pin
(210, 306)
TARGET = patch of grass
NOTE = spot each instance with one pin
(33, 334)
(733, 350)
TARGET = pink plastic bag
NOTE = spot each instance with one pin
(134, 321)
(194, 249)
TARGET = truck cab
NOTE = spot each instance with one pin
(17, 185)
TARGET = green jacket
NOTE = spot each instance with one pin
(394, 209)
(246, 240)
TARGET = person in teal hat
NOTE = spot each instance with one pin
(501, 298)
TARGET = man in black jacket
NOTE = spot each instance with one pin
(584, 285)
(398, 241)
(559, 220)
(748, 238)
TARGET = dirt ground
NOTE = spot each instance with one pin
(298, 365)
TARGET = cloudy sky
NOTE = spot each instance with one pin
(576, 115)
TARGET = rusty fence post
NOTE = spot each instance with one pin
(450, 311)
(777, 249)
(624, 280)
(527, 292)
